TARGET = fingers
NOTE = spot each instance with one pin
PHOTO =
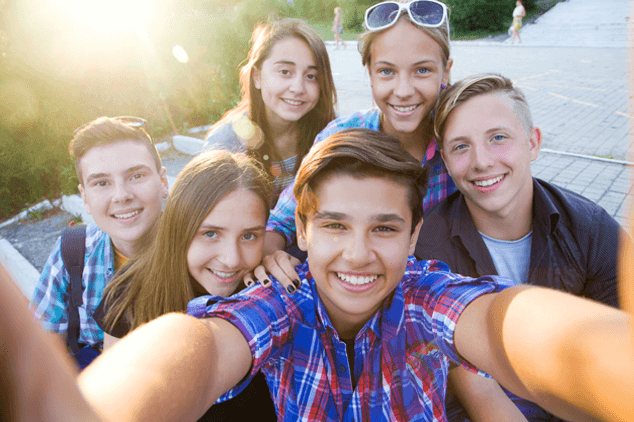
(248, 279)
(282, 266)
(260, 274)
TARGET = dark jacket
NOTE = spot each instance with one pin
(574, 249)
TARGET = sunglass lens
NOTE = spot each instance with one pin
(427, 12)
(381, 15)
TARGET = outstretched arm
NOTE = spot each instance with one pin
(173, 368)
(572, 356)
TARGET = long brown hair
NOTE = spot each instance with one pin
(158, 280)
(263, 40)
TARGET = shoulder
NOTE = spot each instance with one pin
(225, 137)
(367, 119)
(435, 233)
(574, 209)
(96, 239)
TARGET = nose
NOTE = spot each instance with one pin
(404, 87)
(481, 157)
(298, 84)
(358, 250)
(122, 192)
(230, 256)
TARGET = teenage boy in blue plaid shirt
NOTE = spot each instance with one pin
(122, 184)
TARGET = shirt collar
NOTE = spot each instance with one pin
(546, 213)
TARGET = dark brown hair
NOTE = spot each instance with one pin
(359, 153)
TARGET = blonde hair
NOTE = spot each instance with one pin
(440, 35)
(472, 86)
(158, 280)
(263, 40)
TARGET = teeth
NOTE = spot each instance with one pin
(485, 183)
(128, 215)
(291, 102)
(357, 280)
(223, 275)
(405, 109)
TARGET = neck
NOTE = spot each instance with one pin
(416, 142)
(509, 225)
(285, 138)
(127, 249)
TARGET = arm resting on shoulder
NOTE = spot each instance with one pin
(483, 398)
(562, 352)
(143, 376)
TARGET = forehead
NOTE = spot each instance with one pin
(363, 198)
(116, 157)
(239, 209)
(405, 42)
(291, 49)
(482, 112)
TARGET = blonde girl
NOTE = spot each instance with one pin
(210, 235)
(288, 97)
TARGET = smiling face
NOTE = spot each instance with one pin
(123, 191)
(358, 241)
(488, 153)
(288, 81)
(406, 71)
(228, 243)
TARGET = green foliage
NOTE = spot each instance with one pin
(55, 77)
(470, 15)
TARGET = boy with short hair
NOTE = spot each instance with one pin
(122, 184)
(503, 221)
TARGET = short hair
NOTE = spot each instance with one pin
(472, 86)
(439, 34)
(104, 131)
(360, 153)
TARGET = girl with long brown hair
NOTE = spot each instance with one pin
(288, 97)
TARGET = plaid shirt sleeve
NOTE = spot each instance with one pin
(282, 218)
(51, 293)
(263, 317)
(440, 300)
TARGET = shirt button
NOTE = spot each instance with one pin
(342, 369)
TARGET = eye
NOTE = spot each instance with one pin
(499, 137)
(384, 229)
(311, 76)
(101, 183)
(386, 72)
(334, 226)
(285, 72)
(250, 236)
(459, 147)
(137, 176)
(423, 70)
(210, 234)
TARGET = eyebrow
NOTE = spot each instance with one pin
(385, 62)
(382, 218)
(218, 228)
(487, 132)
(127, 171)
(294, 64)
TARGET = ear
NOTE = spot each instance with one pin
(535, 143)
(447, 73)
(83, 198)
(414, 238)
(257, 82)
(164, 182)
(302, 243)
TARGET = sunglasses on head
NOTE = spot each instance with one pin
(131, 121)
(430, 13)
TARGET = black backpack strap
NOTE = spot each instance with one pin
(73, 251)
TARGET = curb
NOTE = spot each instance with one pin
(24, 274)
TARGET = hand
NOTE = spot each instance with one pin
(279, 264)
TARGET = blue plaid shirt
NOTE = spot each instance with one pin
(52, 293)
(282, 218)
(402, 354)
